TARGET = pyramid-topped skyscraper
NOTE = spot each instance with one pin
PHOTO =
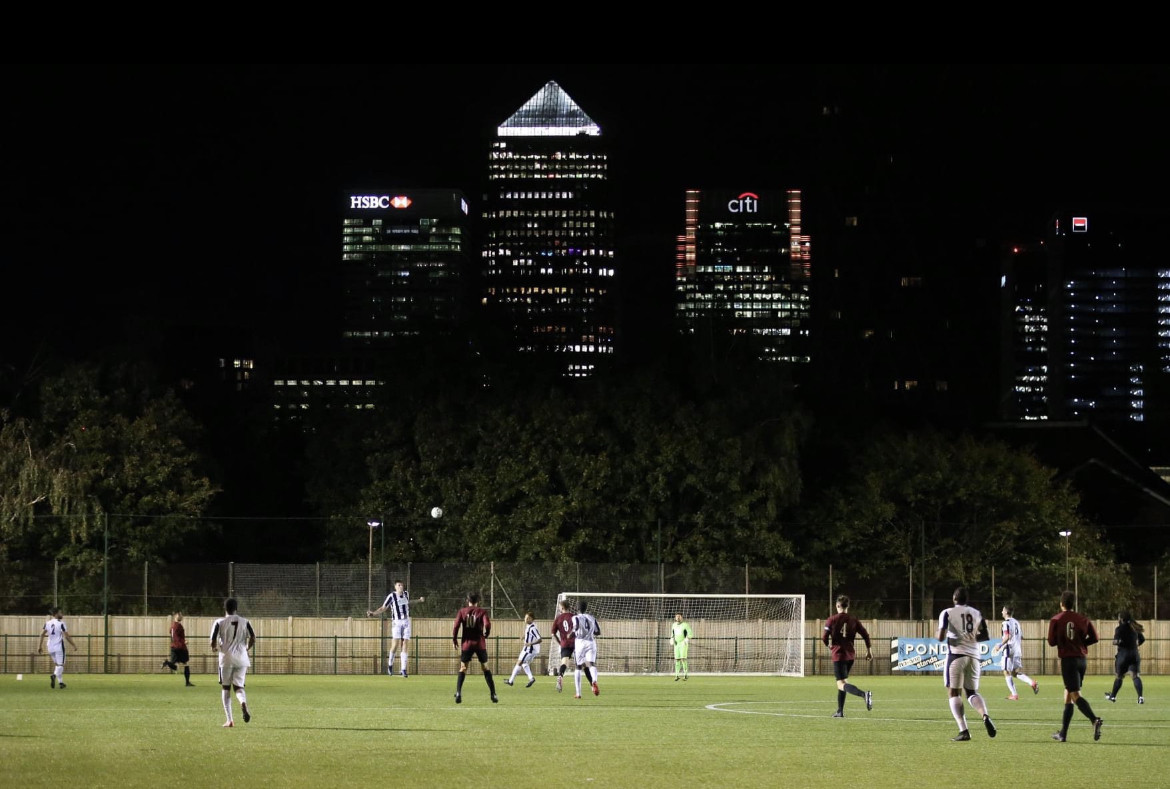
(549, 265)
(550, 113)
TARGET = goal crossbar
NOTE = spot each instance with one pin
(731, 633)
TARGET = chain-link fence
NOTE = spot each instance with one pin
(511, 588)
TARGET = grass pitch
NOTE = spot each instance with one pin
(325, 731)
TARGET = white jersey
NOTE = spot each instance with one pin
(961, 623)
(585, 627)
(398, 605)
(230, 636)
(56, 630)
(1011, 629)
(531, 646)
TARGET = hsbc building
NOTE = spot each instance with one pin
(404, 258)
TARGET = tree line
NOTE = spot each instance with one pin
(647, 467)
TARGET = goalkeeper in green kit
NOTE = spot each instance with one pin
(680, 634)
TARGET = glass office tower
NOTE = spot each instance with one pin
(1087, 322)
(548, 272)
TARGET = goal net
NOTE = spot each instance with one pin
(732, 634)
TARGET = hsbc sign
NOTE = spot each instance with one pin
(379, 201)
(746, 203)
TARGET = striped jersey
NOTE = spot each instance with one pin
(1011, 629)
(56, 630)
(585, 627)
(961, 623)
(531, 634)
(231, 636)
(398, 605)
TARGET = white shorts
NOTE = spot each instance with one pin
(400, 629)
(585, 652)
(58, 656)
(528, 653)
(962, 672)
(232, 675)
(1013, 662)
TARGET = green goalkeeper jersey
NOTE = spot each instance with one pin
(679, 632)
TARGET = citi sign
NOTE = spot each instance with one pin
(376, 201)
(746, 203)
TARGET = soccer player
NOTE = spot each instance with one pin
(680, 635)
(962, 628)
(563, 635)
(1072, 634)
(398, 604)
(476, 627)
(232, 636)
(179, 652)
(1127, 637)
(585, 628)
(841, 629)
(1013, 656)
(56, 633)
(531, 649)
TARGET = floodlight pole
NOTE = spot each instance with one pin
(371, 524)
(1066, 534)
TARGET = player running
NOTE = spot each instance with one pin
(1013, 655)
(563, 635)
(841, 629)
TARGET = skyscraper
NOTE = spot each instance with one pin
(549, 267)
(743, 270)
(404, 254)
(1086, 316)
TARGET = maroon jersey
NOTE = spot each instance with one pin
(1071, 633)
(476, 628)
(178, 636)
(840, 630)
(563, 629)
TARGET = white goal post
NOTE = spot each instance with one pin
(733, 634)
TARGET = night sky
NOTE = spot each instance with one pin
(209, 195)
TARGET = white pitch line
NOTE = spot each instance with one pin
(721, 707)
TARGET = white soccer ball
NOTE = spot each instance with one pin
(436, 512)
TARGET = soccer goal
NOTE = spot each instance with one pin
(733, 634)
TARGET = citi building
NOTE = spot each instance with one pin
(548, 270)
(743, 270)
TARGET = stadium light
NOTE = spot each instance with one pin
(1066, 534)
(373, 523)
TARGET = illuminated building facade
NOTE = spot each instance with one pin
(1087, 323)
(548, 270)
(1026, 333)
(743, 268)
(404, 254)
